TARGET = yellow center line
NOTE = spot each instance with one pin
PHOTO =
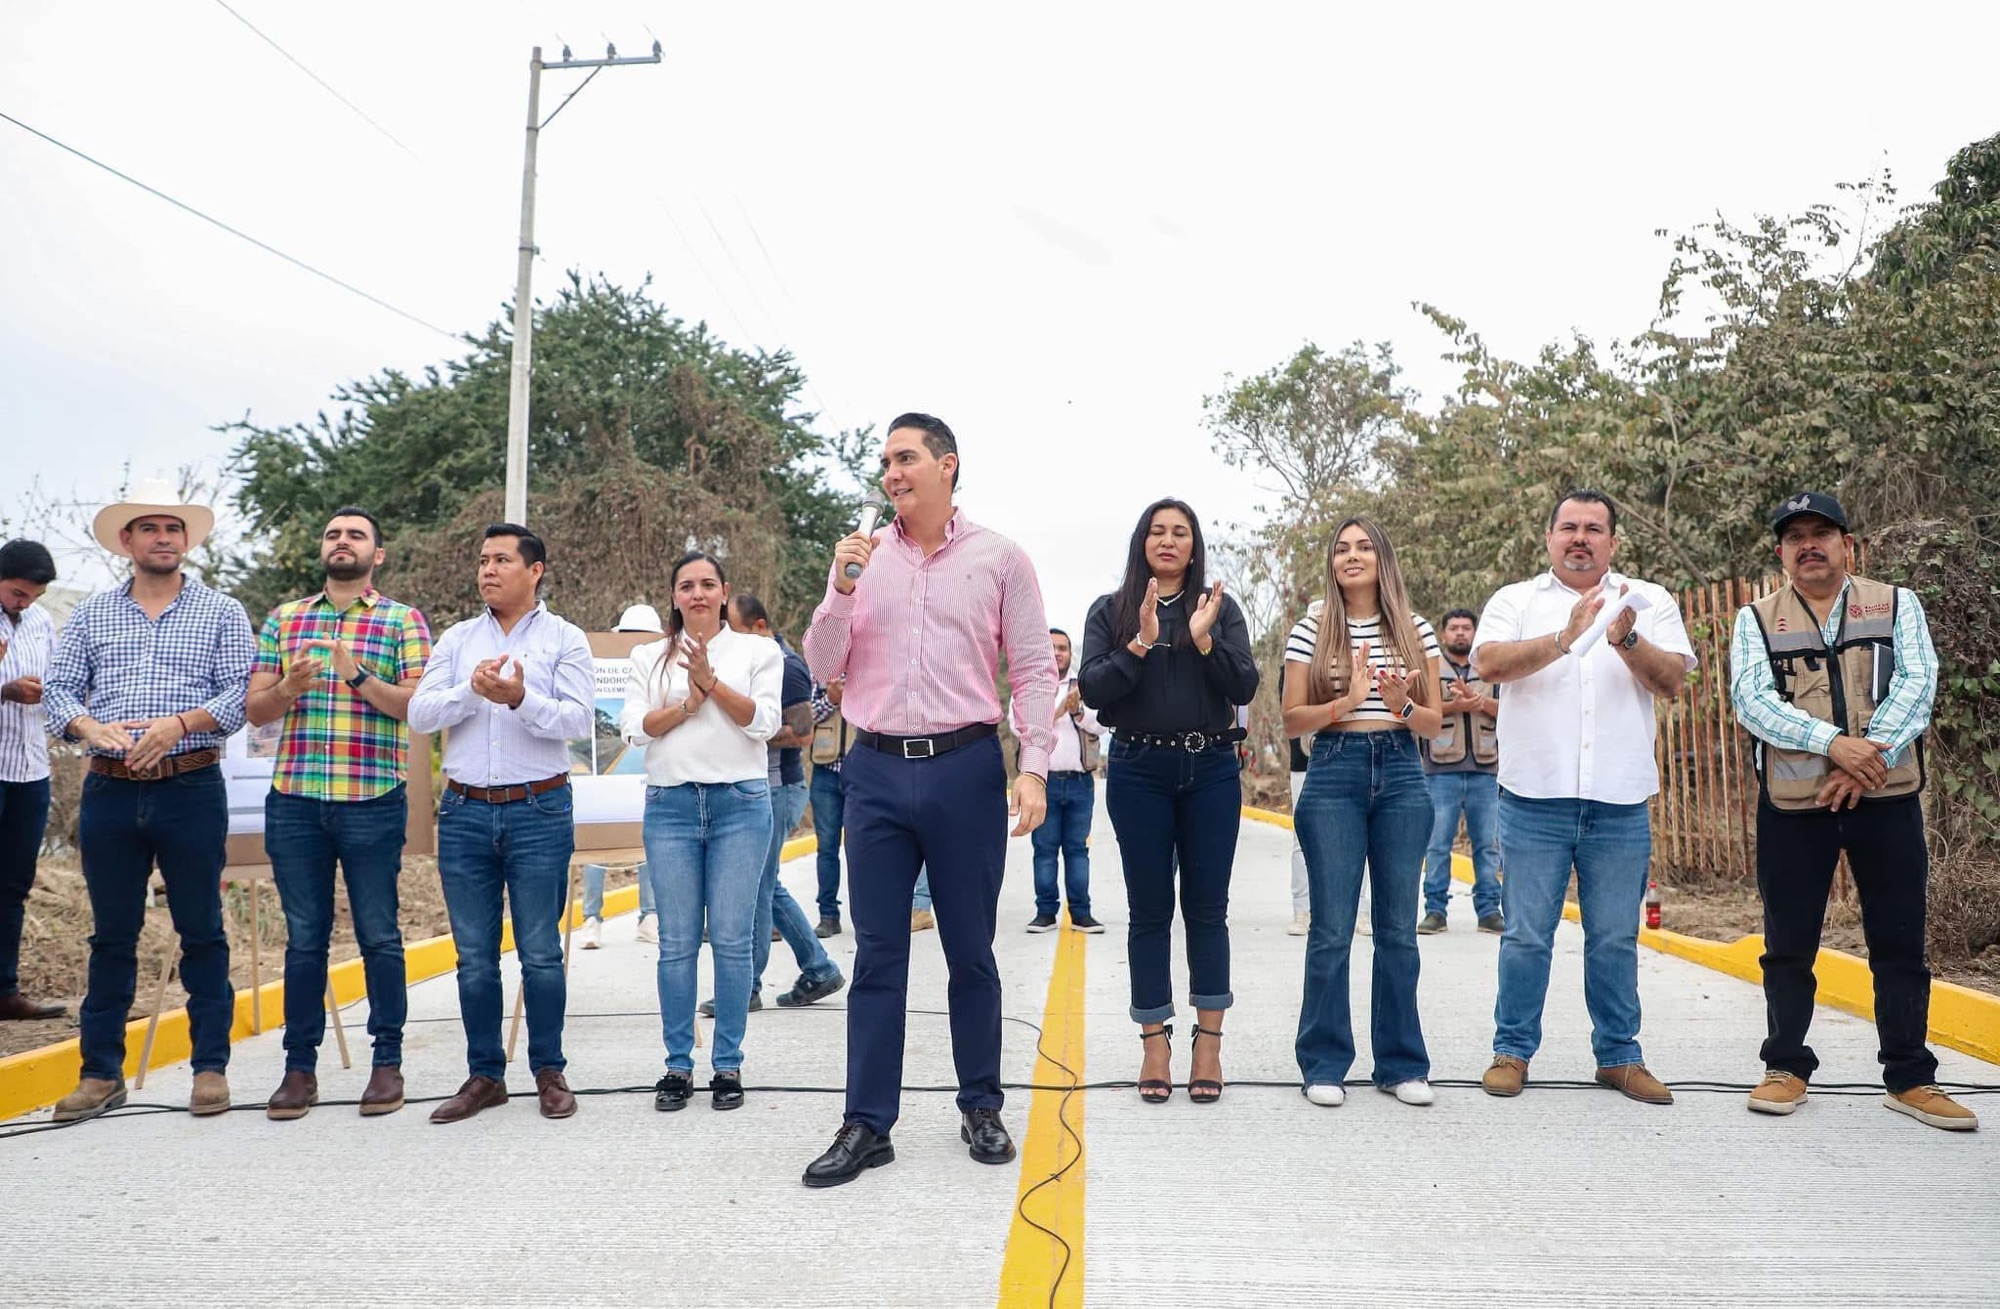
(1037, 1270)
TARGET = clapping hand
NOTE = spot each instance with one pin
(1621, 626)
(1207, 608)
(300, 674)
(1360, 680)
(694, 658)
(345, 665)
(1581, 615)
(1149, 614)
(1394, 688)
(489, 684)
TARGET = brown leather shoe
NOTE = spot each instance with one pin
(210, 1095)
(1928, 1104)
(92, 1096)
(385, 1091)
(1634, 1083)
(295, 1096)
(557, 1102)
(1779, 1093)
(477, 1093)
(18, 1008)
(1506, 1076)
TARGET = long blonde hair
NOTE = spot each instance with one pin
(1333, 659)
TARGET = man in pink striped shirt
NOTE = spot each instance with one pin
(919, 634)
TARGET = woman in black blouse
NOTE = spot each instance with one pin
(1166, 660)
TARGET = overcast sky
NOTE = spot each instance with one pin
(1057, 226)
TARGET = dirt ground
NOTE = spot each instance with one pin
(55, 942)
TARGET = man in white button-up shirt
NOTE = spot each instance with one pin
(1576, 770)
(514, 687)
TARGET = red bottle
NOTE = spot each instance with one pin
(1653, 904)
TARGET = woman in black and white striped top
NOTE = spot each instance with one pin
(1367, 684)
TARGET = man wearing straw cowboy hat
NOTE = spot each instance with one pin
(151, 675)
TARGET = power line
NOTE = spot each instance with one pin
(323, 83)
(235, 232)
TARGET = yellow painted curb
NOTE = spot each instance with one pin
(35, 1079)
(1961, 1018)
(1038, 1271)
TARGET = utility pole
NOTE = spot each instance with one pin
(524, 303)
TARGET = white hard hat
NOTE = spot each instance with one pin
(640, 618)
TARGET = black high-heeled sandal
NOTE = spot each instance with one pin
(1153, 1090)
(1203, 1090)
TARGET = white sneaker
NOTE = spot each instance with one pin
(649, 929)
(1417, 1092)
(1301, 921)
(590, 935)
(1330, 1094)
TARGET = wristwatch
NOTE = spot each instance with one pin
(354, 682)
(1631, 641)
(1409, 708)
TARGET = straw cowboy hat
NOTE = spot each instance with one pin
(149, 496)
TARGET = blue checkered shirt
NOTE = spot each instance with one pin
(1901, 717)
(114, 663)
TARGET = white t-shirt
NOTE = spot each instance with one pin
(1299, 647)
(1582, 728)
(708, 747)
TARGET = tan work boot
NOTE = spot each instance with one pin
(1928, 1104)
(921, 920)
(92, 1096)
(1779, 1093)
(210, 1095)
(1506, 1076)
(1634, 1083)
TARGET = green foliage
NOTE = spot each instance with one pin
(622, 393)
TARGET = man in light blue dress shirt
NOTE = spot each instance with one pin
(513, 687)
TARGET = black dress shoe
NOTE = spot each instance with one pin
(854, 1148)
(725, 1091)
(828, 926)
(987, 1135)
(672, 1091)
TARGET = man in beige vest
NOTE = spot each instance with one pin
(1462, 765)
(1834, 675)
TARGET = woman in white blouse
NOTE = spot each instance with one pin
(702, 702)
(1365, 680)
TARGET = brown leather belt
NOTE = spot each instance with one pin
(507, 794)
(172, 766)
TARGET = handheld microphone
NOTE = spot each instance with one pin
(871, 513)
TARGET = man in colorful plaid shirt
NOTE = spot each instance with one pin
(338, 668)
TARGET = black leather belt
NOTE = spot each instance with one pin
(1067, 772)
(924, 747)
(1192, 742)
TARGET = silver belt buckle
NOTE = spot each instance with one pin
(911, 751)
(1195, 742)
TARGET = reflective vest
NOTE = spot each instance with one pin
(1841, 686)
(832, 738)
(1463, 731)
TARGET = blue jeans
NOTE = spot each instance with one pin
(304, 839)
(524, 849)
(705, 845)
(1610, 846)
(775, 903)
(24, 816)
(1176, 813)
(1364, 802)
(920, 894)
(123, 828)
(829, 804)
(1072, 802)
(593, 890)
(1477, 796)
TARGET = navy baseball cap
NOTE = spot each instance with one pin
(1805, 503)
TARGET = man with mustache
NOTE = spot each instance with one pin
(515, 685)
(1576, 769)
(1834, 674)
(337, 668)
(1462, 764)
(150, 675)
